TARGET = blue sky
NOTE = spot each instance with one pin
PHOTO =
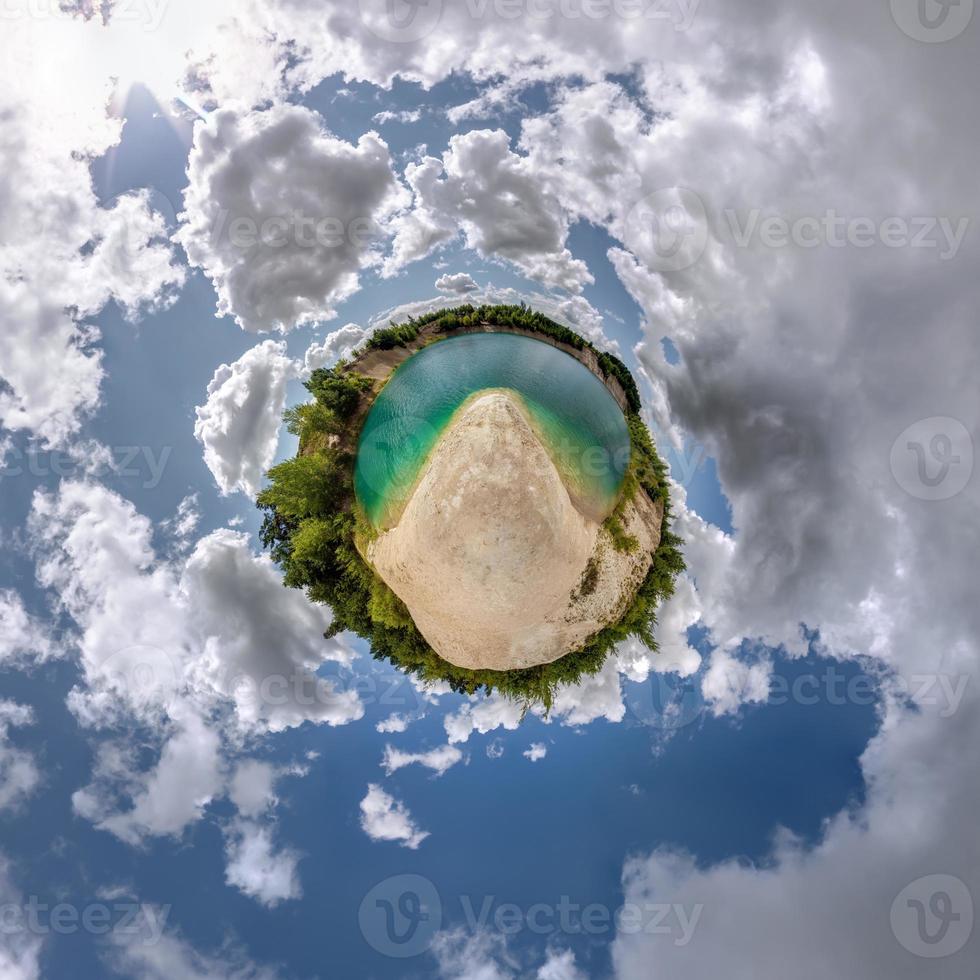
(602, 792)
(780, 788)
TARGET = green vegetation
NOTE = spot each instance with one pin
(316, 531)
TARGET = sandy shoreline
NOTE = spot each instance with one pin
(490, 551)
(588, 507)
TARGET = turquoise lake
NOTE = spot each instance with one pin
(577, 419)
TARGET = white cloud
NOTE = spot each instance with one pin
(405, 116)
(184, 523)
(173, 958)
(438, 760)
(483, 955)
(393, 724)
(385, 818)
(790, 364)
(164, 800)
(63, 257)
(239, 423)
(282, 216)
(20, 949)
(335, 346)
(535, 751)
(924, 791)
(261, 643)
(492, 194)
(23, 638)
(161, 641)
(19, 774)
(257, 868)
(466, 956)
(460, 282)
(593, 697)
(255, 865)
(729, 682)
(252, 787)
(560, 965)
(483, 715)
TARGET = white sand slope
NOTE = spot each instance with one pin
(489, 553)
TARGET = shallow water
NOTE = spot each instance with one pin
(577, 419)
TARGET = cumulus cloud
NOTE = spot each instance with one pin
(255, 864)
(393, 724)
(438, 760)
(64, 256)
(405, 116)
(239, 423)
(171, 956)
(252, 787)
(51, 366)
(593, 697)
(385, 818)
(334, 347)
(184, 523)
(218, 621)
(483, 955)
(20, 949)
(482, 187)
(23, 637)
(535, 751)
(918, 820)
(163, 800)
(262, 644)
(282, 216)
(560, 965)
(19, 774)
(790, 361)
(483, 715)
(158, 641)
(460, 282)
(257, 868)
